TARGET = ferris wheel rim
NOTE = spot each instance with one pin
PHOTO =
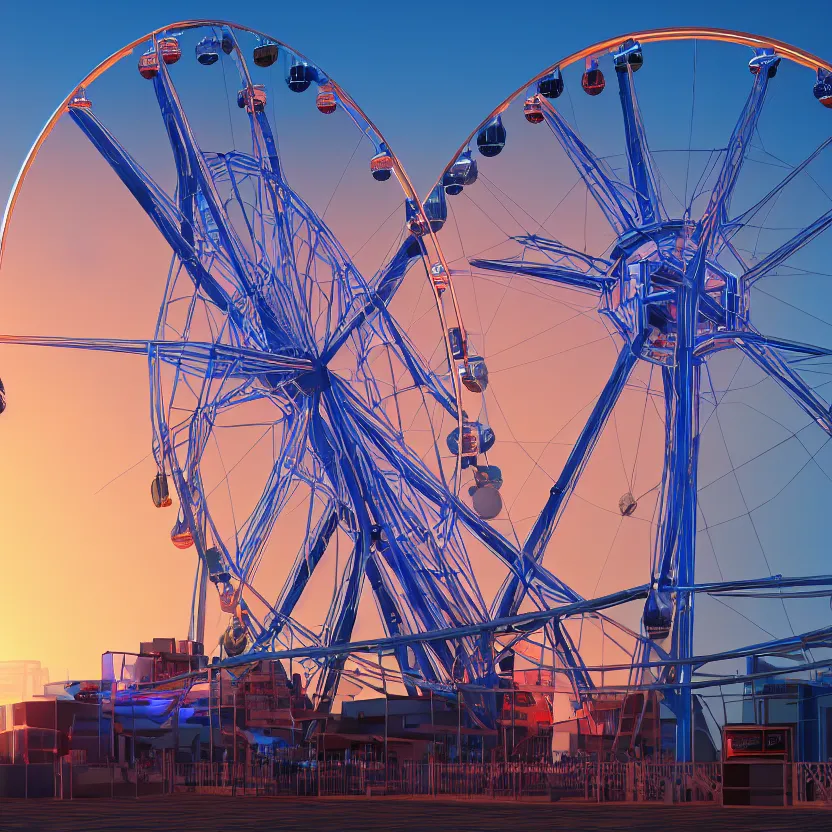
(127, 50)
(767, 49)
(665, 35)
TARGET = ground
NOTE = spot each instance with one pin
(226, 814)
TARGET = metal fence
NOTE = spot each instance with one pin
(813, 783)
(656, 782)
(590, 781)
(72, 778)
(337, 777)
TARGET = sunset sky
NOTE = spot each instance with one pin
(87, 564)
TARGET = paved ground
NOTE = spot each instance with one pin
(224, 814)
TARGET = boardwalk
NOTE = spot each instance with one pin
(224, 814)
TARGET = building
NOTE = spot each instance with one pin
(20, 680)
(805, 704)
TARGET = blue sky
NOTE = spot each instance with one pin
(425, 72)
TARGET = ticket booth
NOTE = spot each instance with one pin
(756, 770)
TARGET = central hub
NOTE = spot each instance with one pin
(652, 271)
(314, 381)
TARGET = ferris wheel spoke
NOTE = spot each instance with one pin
(596, 266)
(742, 219)
(781, 254)
(728, 340)
(675, 537)
(512, 592)
(716, 213)
(546, 271)
(611, 195)
(260, 128)
(394, 620)
(381, 292)
(764, 356)
(201, 359)
(421, 376)
(286, 204)
(163, 213)
(678, 492)
(341, 620)
(187, 152)
(295, 222)
(399, 344)
(384, 513)
(292, 324)
(192, 167)
(260, 523)
(642, 175)
(307, 559)
(420, 601)
(297, 633)
(571, 656)
(422, 481)
(436, 599)
(330, 448)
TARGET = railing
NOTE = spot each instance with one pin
(675, 782)
(636, 781)
(336, 777)
(813, 782)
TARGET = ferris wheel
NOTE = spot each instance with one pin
(308, 367)
(638, 239)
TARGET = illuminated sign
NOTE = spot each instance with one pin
(757, 741)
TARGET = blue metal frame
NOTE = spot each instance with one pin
(698, 321)
(398, 512)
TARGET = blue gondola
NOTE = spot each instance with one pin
(658, 614)
(208, 50)
(492, 137)
(475, 377)
(488, 475)
(551, 85)
(436, 209)
(217, 572)
(457, 343)
(381, 166)
(476, 439)
(823, 88)
(462, 172)
(629, 55)
(301, 75)
(228, 41)
(413, 218)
